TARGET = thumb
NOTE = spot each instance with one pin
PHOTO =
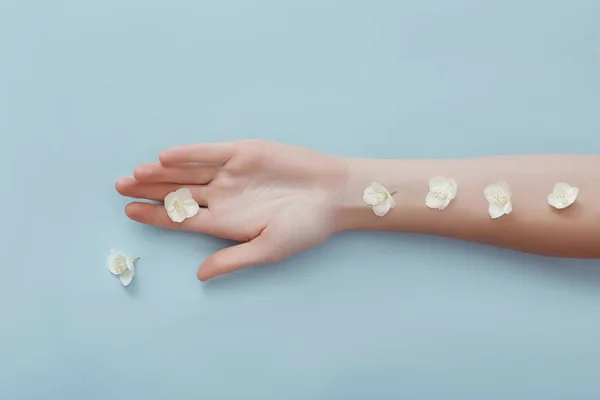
(230, 259)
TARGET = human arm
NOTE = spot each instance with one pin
(277, 200)
(533, 226)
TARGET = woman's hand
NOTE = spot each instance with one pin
(276, 199)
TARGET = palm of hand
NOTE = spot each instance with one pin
(276, 199)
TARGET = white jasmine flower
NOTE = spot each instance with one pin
(563, 195)
(122, 266)
(441, 192)
(379, 198)
(499, 196)
(181, 205)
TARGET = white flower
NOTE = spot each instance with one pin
(563, 195)
(441, 192)
(499, 196)
(379, 198)
(181, 205)
(122, 266)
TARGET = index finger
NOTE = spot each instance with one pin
(203, 153)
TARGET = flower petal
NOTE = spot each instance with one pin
(502, 185)
(572, 194)
(126, 277)
(561, 185)
(183, 194)
(175, 215)
(432, 202)
(381, 209)
(444, 204)
(391, 201)
(489, 191)
(170, 200)
(191, 208)
(554, 202)
(113, 258)
(130, 263)
(508, 208)
(496, 211)
(370, 196)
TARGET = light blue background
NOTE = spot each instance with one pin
(88, 90)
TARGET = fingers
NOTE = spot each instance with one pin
(157, 173)
(157, 191)
(155, 215)
(256, 251)
(204, 153)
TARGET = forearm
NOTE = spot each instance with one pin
(533, 226)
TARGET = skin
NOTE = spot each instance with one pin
(277, 200)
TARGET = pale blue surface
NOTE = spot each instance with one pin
(90, 89)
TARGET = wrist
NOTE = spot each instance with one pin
(354, 213)
(407, 177)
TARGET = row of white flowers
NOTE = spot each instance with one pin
(443, 190)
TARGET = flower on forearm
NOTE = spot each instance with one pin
(121, 265)
(563, 195)
(499, 196)
(441, 192)
(181, 205)
(378, 197)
